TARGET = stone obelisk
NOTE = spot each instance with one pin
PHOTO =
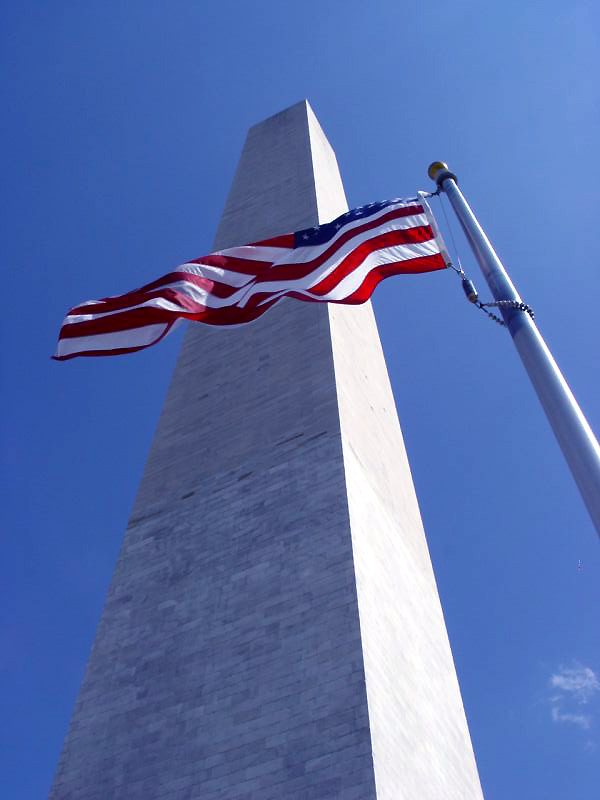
(273, 629)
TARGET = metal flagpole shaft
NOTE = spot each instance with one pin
(575, 437)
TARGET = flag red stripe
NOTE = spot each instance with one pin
(417, 266)
(413, 266)
(354, 258)
(286, 240)
(246, 266)
(126, 320)
(221, 290)
(304, 267)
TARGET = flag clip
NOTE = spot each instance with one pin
(470, 290)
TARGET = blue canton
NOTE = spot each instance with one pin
(310, 237)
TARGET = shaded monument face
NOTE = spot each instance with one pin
(273, 628)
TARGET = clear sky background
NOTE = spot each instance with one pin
(123, 124)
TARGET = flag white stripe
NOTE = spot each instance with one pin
(218, 274)
(389, 255)
(302, 255)
(133, 337)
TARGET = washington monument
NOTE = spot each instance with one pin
(273, 629)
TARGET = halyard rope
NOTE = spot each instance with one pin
(469, 287)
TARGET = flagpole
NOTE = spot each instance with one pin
(575, 437)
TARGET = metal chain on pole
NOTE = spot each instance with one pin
(505, 304)
(468, 285)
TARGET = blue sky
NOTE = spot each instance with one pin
(123, 126)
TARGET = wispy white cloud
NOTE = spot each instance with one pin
(578, 682)
(581, 720)
(573, 690)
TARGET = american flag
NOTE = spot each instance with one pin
(339, 262)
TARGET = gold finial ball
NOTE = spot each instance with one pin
(435, 168)
(439, 172)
